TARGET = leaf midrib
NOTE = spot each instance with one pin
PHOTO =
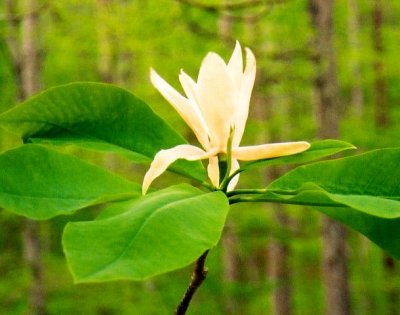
(133, 238)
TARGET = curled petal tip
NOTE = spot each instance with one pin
(305, 144)
(164, 158)
(250, 58)
(154, 77)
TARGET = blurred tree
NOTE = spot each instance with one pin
(105, 41)
(380, 104)
(278, 249)
(357, 95)
(335, 268)
(382, 119)
(27, 73)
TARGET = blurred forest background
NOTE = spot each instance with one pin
(326, 69)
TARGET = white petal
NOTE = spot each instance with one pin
(235, 166)
(246, 88)
(165, 158)
(213, 170)
(217, 97)
(190, 88)
(235, 65)
(183, 106)
(266, 151)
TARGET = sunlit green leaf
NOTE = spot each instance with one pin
(100, 117)
(40, 183)
(160, 232)
(361, 191)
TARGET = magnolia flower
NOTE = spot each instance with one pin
(216, 109)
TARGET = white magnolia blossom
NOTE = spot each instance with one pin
(216, 108)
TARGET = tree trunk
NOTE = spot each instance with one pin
(279, 269)
(326, 99)
(33, 257)
(105, 42)
(231, 263)
(22, 43)
(393, 294)
(381, 122)
(357, 96)
(13, 42)
(30, 67)
(380, 105)
(278, 251)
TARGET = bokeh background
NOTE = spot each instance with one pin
(325, 69)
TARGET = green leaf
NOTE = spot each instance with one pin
(318, 150)
(100, 117)
(361, 191)
(40, 183)
(160, 232)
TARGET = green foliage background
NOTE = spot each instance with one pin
(168, 36)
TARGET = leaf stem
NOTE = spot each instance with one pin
(237, 199)
(245, 192)
(224, 183)
(198, 276)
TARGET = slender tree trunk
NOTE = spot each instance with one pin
(326, 99)
(357, 95)
(231, 263)
(33, 257)
(105, 42)
(225, 27)
(30, 65)
(13, 42)
(30, 69)
(380, 104)
(278, 251)
(393, 294)
(22, 42)
(381, 122)
(325, 83)
(279, 269)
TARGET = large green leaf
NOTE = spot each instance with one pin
(318, 150)
(40, 183)
(361, 191)
(97, 116)
(160, 232)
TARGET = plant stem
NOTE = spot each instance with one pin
(198, 276)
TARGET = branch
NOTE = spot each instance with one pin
(245, 4)
(17, 18)
(12, 37)
(264, 8)
(198, 276)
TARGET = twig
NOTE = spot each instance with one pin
(225, 6)
(198, 276)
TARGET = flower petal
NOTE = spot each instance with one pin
(190, 88)
(165, 158)
(213, 170)
(266, 151)
(246, 88)
(183, 106)
(234, 167)
(235, 65)
(217, 97)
